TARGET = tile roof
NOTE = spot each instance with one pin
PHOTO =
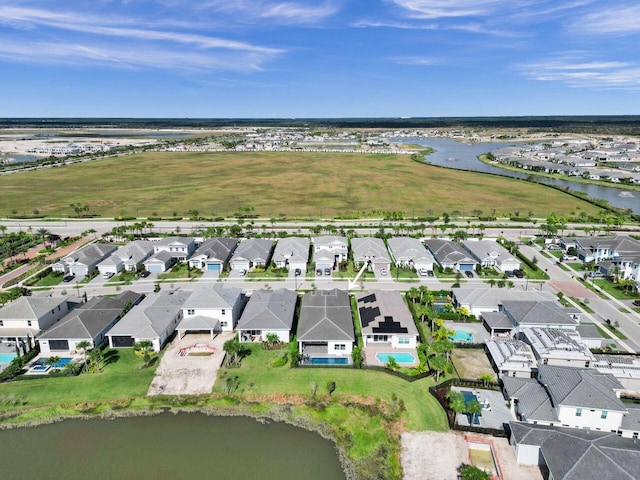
(253, 249)
(409, 248)
(30, 308)
(384, 312)
(325, 315)
(292, 249)
(269, 310)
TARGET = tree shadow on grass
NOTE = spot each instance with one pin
(111, 356)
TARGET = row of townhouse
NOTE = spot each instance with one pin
(467, 255)
(325, 326)
(615, 255)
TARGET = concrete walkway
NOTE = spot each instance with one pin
(189, 374)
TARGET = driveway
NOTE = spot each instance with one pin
(189, 374)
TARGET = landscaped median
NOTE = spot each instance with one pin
(364, 415)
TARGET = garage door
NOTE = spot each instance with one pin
(466, 266)
(155, 268)
(213, 266)
(119, 342)
(58, 345)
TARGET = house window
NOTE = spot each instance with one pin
(191, 311)
(223, 311)
(635, 435)
(403, 340)
(224, 324)
(380, 338)
(29, 323)
(545, 361)
(1, 323)
(603, 415)
(578, 412)
(339, 346)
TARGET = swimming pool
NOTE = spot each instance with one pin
(7, 357)
(328, 361)
(401, 357)
(462, 336)
(468, 397)
(40, 365)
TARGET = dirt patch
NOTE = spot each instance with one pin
(471, 363)
(189, 374)
(437, 456)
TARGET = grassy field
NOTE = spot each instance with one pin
(297, 184)
(122, 378)
(258, 376)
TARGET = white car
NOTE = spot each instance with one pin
(107, 275)
(243, 272)
(383, 272)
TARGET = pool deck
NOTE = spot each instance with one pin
(497, 413)
(371, 350)
(480, 334)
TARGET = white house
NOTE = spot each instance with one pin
(27, 316)
(370, 251)
(329, 251)
(180, 248)
(386, 320)
(154, 319)
(213, 254)
(212, 310)
(410, 252)
(159, 262)
(292, 253)
(252, 253)
(451, 255)
(491, 254)
(128, 257)
(88, 322)
(85, 260)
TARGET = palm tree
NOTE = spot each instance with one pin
(456, 402)
(95, 360)
(413, 294)
(52, 361)
(438, 365)
(44, 233)
(84, 346)
(474, 408)
(144, 348)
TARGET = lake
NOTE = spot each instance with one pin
(464, 156)
(167, 446)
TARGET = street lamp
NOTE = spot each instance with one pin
(295, 276)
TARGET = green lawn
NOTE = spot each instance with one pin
(295, 183)
(180, 270)
(52, 279)
(616, 291)
(121, 379)
(577, 266)
(271, 273)
(257, 376)
(531, 274)
(351, 273)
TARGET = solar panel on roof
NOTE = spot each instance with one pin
(368, 299)
(390, 326)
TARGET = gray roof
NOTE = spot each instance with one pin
(489, 250)
(269, 310)
(511, 354)
(199, 322)
(253, 249)
(497, 320)
(166, 241)
(217, 249)
(574, 454)
(369, 248)
(492, 298)
(132, 253)
(292, 249)
(533, 401)
(588, 330)
(581, 387)
(385, 312)
(162, 256)
(152, 316)
(631, 420)
(216, 297)
(409, 249)
(90, 254)
(325, 315)
(90, 319)
(523, 312)
(327, 241)
(447, 252)
(30, 308)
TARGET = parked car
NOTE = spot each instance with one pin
(468, 273)
(297, 272)
(423, 272)
(636, 303)
(430, 273)
(145, 274)
(68, 278)
(327, 271)
(243, 272)
(319, 272)
(107, 274)
(510, 274)
(518, 273)
(383, 272)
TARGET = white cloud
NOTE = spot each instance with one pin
(624, 19)
(417, 61)
(279, 12)
(578, 70)
(432, 9)
(139, 46)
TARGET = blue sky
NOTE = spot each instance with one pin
(322, 58)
